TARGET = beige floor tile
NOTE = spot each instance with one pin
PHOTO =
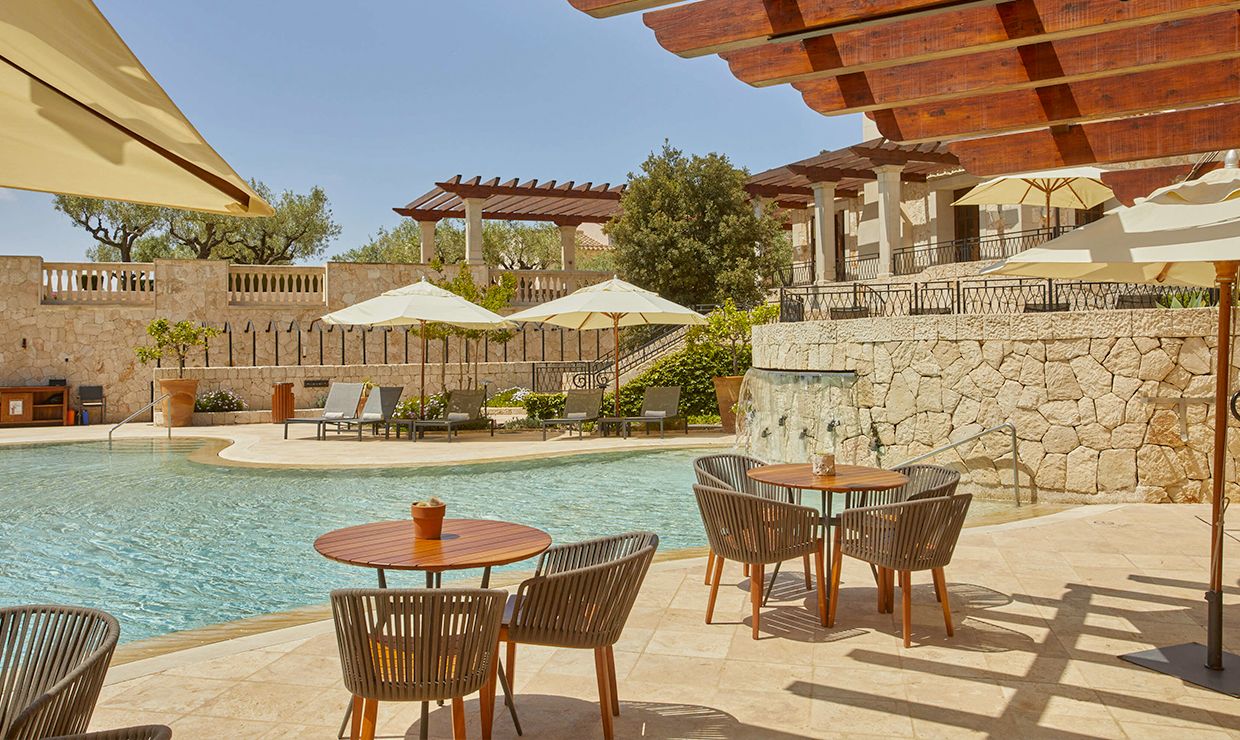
(301, 670)
(275, 702)
(239, 666)
(174, 694)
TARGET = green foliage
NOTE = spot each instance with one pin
(602, 260)
(115, 226)
(544, 405)
(301, 229)
(693, 369)
(688, 231)
(732, 328)
(146, 249)
(223, 399)
(175, 341)
(201, 235)
(1189, 298)
(511, 245)
(508, 397)
(408, 408)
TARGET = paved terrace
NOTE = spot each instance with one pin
(1042, 608)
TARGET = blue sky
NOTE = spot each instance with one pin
(376, 100)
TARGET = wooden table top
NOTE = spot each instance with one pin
(466, 543)
(845, 478)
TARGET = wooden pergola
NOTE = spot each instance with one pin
(1016, 85)
(567, 204)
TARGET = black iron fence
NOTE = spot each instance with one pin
(965, 296)
(908, 260)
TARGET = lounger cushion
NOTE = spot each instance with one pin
(655, 414)
(372, 416)
(458, 416)
(333, 415)
(576, 415)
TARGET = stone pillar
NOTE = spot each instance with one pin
(888, 215)
(568, 247)
(824, 232)
(428, 241)
(473, 231)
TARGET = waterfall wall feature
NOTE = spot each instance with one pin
(787, 415)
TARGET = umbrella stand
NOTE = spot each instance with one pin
(1207, 665)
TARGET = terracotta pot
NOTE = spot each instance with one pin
(427, 521)
(179, 406)
(727, 393)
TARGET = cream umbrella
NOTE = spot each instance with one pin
(1183, 234)
(420, 303)
(611, 303)
(1073, 187)
(79, 114)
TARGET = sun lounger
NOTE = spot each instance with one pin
(464, 410)
(658, 405)
(341, 405)
(379, 407)
(580, 406)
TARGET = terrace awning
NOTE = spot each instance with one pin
(1016, 85)
(566, 204)
(80, 115)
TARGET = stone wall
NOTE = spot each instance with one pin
(1079, 387)
(91, 343)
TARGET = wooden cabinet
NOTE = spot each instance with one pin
(34, 405)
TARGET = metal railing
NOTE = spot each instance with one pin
(964, 296)
(857, 268)
(908, 260)
(129, 418)
(1008, 426)
(796, 273)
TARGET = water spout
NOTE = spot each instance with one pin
(786, 415)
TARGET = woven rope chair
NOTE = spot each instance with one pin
(759, 532)
(900, 539)
(418, 645)
(728, 470)
(143, 732)
(52, 664)
(924, 481)
(580, 597)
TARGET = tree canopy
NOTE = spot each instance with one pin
(511, 245)
(688, 231)
(115, 226)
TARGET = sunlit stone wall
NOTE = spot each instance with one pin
(1091, 395)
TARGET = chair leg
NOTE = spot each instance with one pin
(458, 718)
(755, 591)
(809, 583)
(370, 712)
(837, 561)
(882, 590)
(710, 565)
(746, 567)
(510, 667)
(940, 586)
(486, 699)
(822, 584)
(890, 591)
(355, 727)
(611, 681)
(714, 587)
(906, 606)
(604, 691)
(938, 595)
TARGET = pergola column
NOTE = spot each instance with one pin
(428, 241)
(568, 247)
(824, 232)
(473, 231)
(888, 215)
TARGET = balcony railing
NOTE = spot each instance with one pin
(131, 283)
(540, 286)
(908, 260)
(266, 285)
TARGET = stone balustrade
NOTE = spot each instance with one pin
(276, 285)
(98, 282)
(540, 286)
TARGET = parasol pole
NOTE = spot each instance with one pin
(615, 341)
(422, 381)
(1225, 273)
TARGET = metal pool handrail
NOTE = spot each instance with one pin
(131, 416)
(1011, 428)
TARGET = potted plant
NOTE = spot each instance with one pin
(428, 518)
(732, 328)
(176, 341)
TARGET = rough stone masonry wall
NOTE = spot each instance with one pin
(1075, 385)
(92, 343)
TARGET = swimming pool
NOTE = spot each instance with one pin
(166, 543)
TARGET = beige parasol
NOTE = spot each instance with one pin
(611, 303)
(79, 114)
(1074, 187)
(1185, 234)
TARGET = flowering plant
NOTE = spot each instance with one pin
(224, 399)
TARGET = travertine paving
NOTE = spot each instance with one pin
(1042, 608)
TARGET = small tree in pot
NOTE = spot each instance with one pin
(176, 342)
(732, 328)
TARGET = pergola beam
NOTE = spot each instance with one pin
(960, 32)
(835, 174)
(608, 8)
(431, 214)
(1171, 134)
(586, 192)
(1145, 48)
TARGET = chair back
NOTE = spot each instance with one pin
(416, 644)
(581, 594)
(661, 398)
(466, 402)
(141, 732)
(912, 535)
(52, 664)
(924, 481)
(753, 529)
(583, 401)
(381, 403)
(342, 400)
(729, 470)
(90, 393)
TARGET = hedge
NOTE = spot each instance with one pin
(693, 369)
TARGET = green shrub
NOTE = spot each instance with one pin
(408, 408)
(508, 397)
(223, 399)
(693, 369)
(544, 405)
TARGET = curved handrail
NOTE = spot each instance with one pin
(1011, 429)
(131, 416)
